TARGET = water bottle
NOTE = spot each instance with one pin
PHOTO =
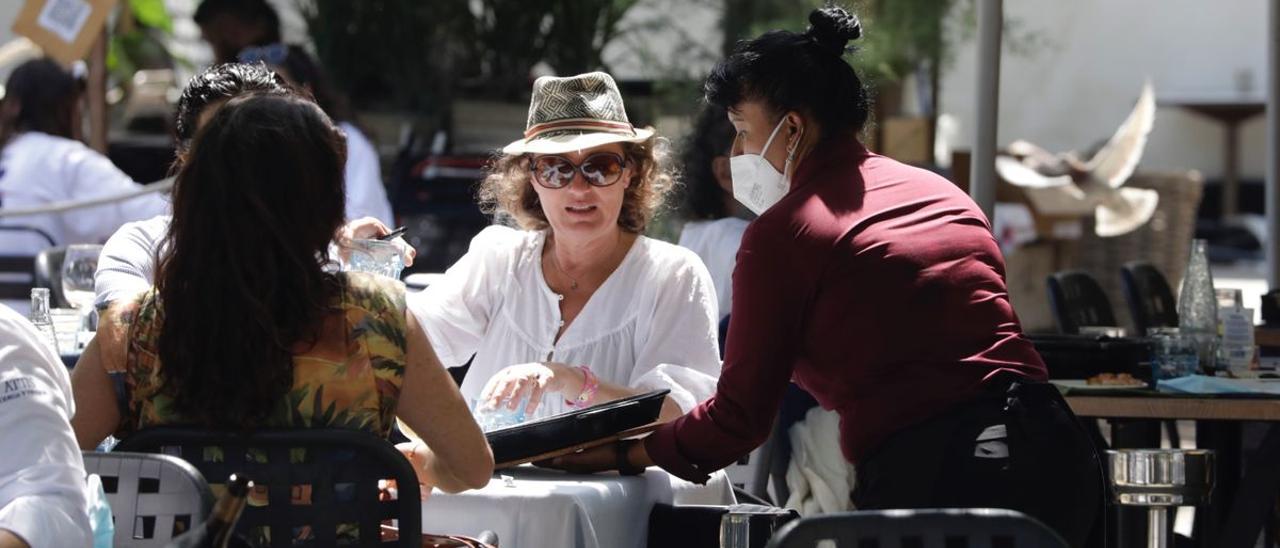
(41, 319)
(1198, 306)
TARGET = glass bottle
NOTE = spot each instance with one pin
(41, 318)
(1198, 306)
(218, 531)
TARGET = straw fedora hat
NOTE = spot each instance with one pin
(575, 113)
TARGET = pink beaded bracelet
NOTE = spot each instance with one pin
(590, 385)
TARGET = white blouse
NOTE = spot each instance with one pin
(651, 325)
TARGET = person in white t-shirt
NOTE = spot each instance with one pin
(42, 163)
(128, 262)
(127, 265)
(576, 307)
(366, 195)
(42, 480)
(715, 220)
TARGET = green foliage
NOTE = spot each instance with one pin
(152, 13)
(396, 52)
(418, 55)
(137, 40)
(898, 35)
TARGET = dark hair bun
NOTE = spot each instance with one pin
(832, 28)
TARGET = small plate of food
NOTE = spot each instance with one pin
(1103, 381)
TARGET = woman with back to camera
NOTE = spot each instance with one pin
(878, 288)
(246, 329)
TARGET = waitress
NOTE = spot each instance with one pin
(879, 288)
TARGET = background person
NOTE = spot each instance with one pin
(715, 221)
(42, 162)
(229, 26)
(366, 194)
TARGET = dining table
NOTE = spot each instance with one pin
(531, 507)
(1241, 503)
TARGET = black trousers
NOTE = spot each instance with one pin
(1041, 463)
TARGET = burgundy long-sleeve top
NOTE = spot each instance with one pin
(875, 286)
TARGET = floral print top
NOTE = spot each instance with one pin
(350, 378)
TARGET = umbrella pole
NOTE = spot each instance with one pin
(982, 176)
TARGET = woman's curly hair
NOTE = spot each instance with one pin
(508, 187)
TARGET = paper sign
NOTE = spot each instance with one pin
(1237, 337)
(64, 29)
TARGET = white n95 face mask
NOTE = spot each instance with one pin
(756, 184)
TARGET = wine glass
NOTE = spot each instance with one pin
(78, 267)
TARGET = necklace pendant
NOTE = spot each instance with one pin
(573, 286)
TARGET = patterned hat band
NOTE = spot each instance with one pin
(580, 124)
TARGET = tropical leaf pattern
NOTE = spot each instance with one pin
(350, 378)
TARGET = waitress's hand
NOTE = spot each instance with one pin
(368, 228)
(601, 458)
(509, 386)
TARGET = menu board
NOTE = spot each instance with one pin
(64, 29)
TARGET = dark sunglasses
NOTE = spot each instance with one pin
(271, 54)
(600, 169)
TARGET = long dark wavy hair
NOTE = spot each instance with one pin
(243, 283)
(41, 96)
(712, 137)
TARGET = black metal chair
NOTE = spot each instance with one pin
(943, 528)
(48, 273)
(153, 498)
(317, 478)
(1151, 304)
(1150, 299)
(1077, 300)
(17, 272)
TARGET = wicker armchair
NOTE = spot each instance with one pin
(1164, 242)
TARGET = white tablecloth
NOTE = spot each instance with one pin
(540, 508)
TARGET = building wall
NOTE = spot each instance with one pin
(1075, 89)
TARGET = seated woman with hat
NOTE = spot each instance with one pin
(576, 307)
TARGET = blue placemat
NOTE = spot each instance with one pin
(1200, 384)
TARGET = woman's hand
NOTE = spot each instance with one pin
(416, 452)
(509, 386)
(368, 228)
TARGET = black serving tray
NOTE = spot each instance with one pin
(523, 441)
(1083, 356)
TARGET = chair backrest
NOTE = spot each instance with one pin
(17, 272)
(16, 276)
(1150, 299)
(1077, 300)
(326, 480)
(943, 528)
(48, 273)
(153, 498)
